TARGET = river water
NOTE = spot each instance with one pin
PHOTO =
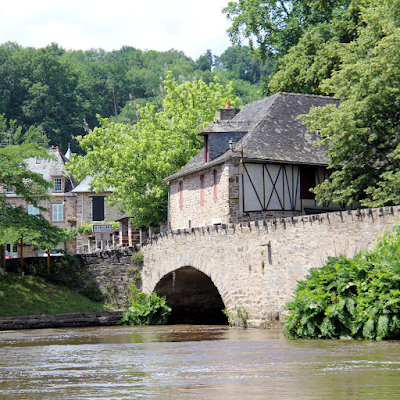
(192, 362)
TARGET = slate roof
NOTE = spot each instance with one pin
(84, 186)
(273, 133)
(52, 167)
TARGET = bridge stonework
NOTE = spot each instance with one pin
(257, 264)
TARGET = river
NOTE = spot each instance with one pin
(192, 362)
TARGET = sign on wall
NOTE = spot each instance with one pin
(102, 228)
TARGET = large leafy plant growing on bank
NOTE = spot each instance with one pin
(355, 297)
(146, 309)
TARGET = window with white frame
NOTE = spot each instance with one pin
(58, 184)
(9, 189)
(57, 212)
(32, 210)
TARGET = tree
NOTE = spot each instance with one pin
(317, 54)
(135, 161)
(363, 133)
(15, 223)
(273, 26)
(11, 133)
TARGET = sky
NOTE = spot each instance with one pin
(186, 25)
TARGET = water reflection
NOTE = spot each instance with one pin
(192, 362)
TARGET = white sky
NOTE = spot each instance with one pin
(187, 25)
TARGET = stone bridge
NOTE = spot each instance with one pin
(251, 268)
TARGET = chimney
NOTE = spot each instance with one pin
(227, 113)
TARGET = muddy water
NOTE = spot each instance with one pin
(192, 362)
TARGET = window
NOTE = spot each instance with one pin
(180, 191)
(215, 186)
(58, 184)
(32, 210)
(58, 212)
(38, 160)
(98, 208)
(202, 190)
(9, 189)
(307, 181)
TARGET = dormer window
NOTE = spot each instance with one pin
(58, 184)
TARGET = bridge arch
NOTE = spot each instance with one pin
(193, 296)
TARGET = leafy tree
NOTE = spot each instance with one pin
(15, 223)
(350, 298)
(364, 132)
(134, 161)
(317, 54)
(275, 26)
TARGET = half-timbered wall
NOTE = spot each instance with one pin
(275, 188)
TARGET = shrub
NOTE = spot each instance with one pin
(92, 292)
(351, 298)
(137, 258)
(146, 309)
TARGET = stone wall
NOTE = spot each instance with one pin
(257, 264)
(84, 216)
(75, 320)
(200, 215)
(112, 272)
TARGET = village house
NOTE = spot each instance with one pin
(60, 210)
(93, 208)
(258, 162)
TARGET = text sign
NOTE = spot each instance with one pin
(104, 228)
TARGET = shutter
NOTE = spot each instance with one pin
(98, 208)
(215, 186)
(202, 190)
(180, 190)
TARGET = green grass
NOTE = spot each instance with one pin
(33, 295)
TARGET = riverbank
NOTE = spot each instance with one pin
(32, 295)
(67, 320)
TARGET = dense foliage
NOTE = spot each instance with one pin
(56, 92)
(355, 297)
(146, 309)
(134, 161)
(364, 132)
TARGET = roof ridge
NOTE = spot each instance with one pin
(309, 95)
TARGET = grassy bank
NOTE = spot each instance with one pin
(33, 295)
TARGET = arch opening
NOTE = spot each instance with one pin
(193, 297)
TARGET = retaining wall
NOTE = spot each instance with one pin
(70, 320)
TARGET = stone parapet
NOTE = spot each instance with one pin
(70, 320)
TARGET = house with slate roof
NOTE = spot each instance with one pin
(257, 163)
(60, 208)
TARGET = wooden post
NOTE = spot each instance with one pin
(48, 262)
(22, 257)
